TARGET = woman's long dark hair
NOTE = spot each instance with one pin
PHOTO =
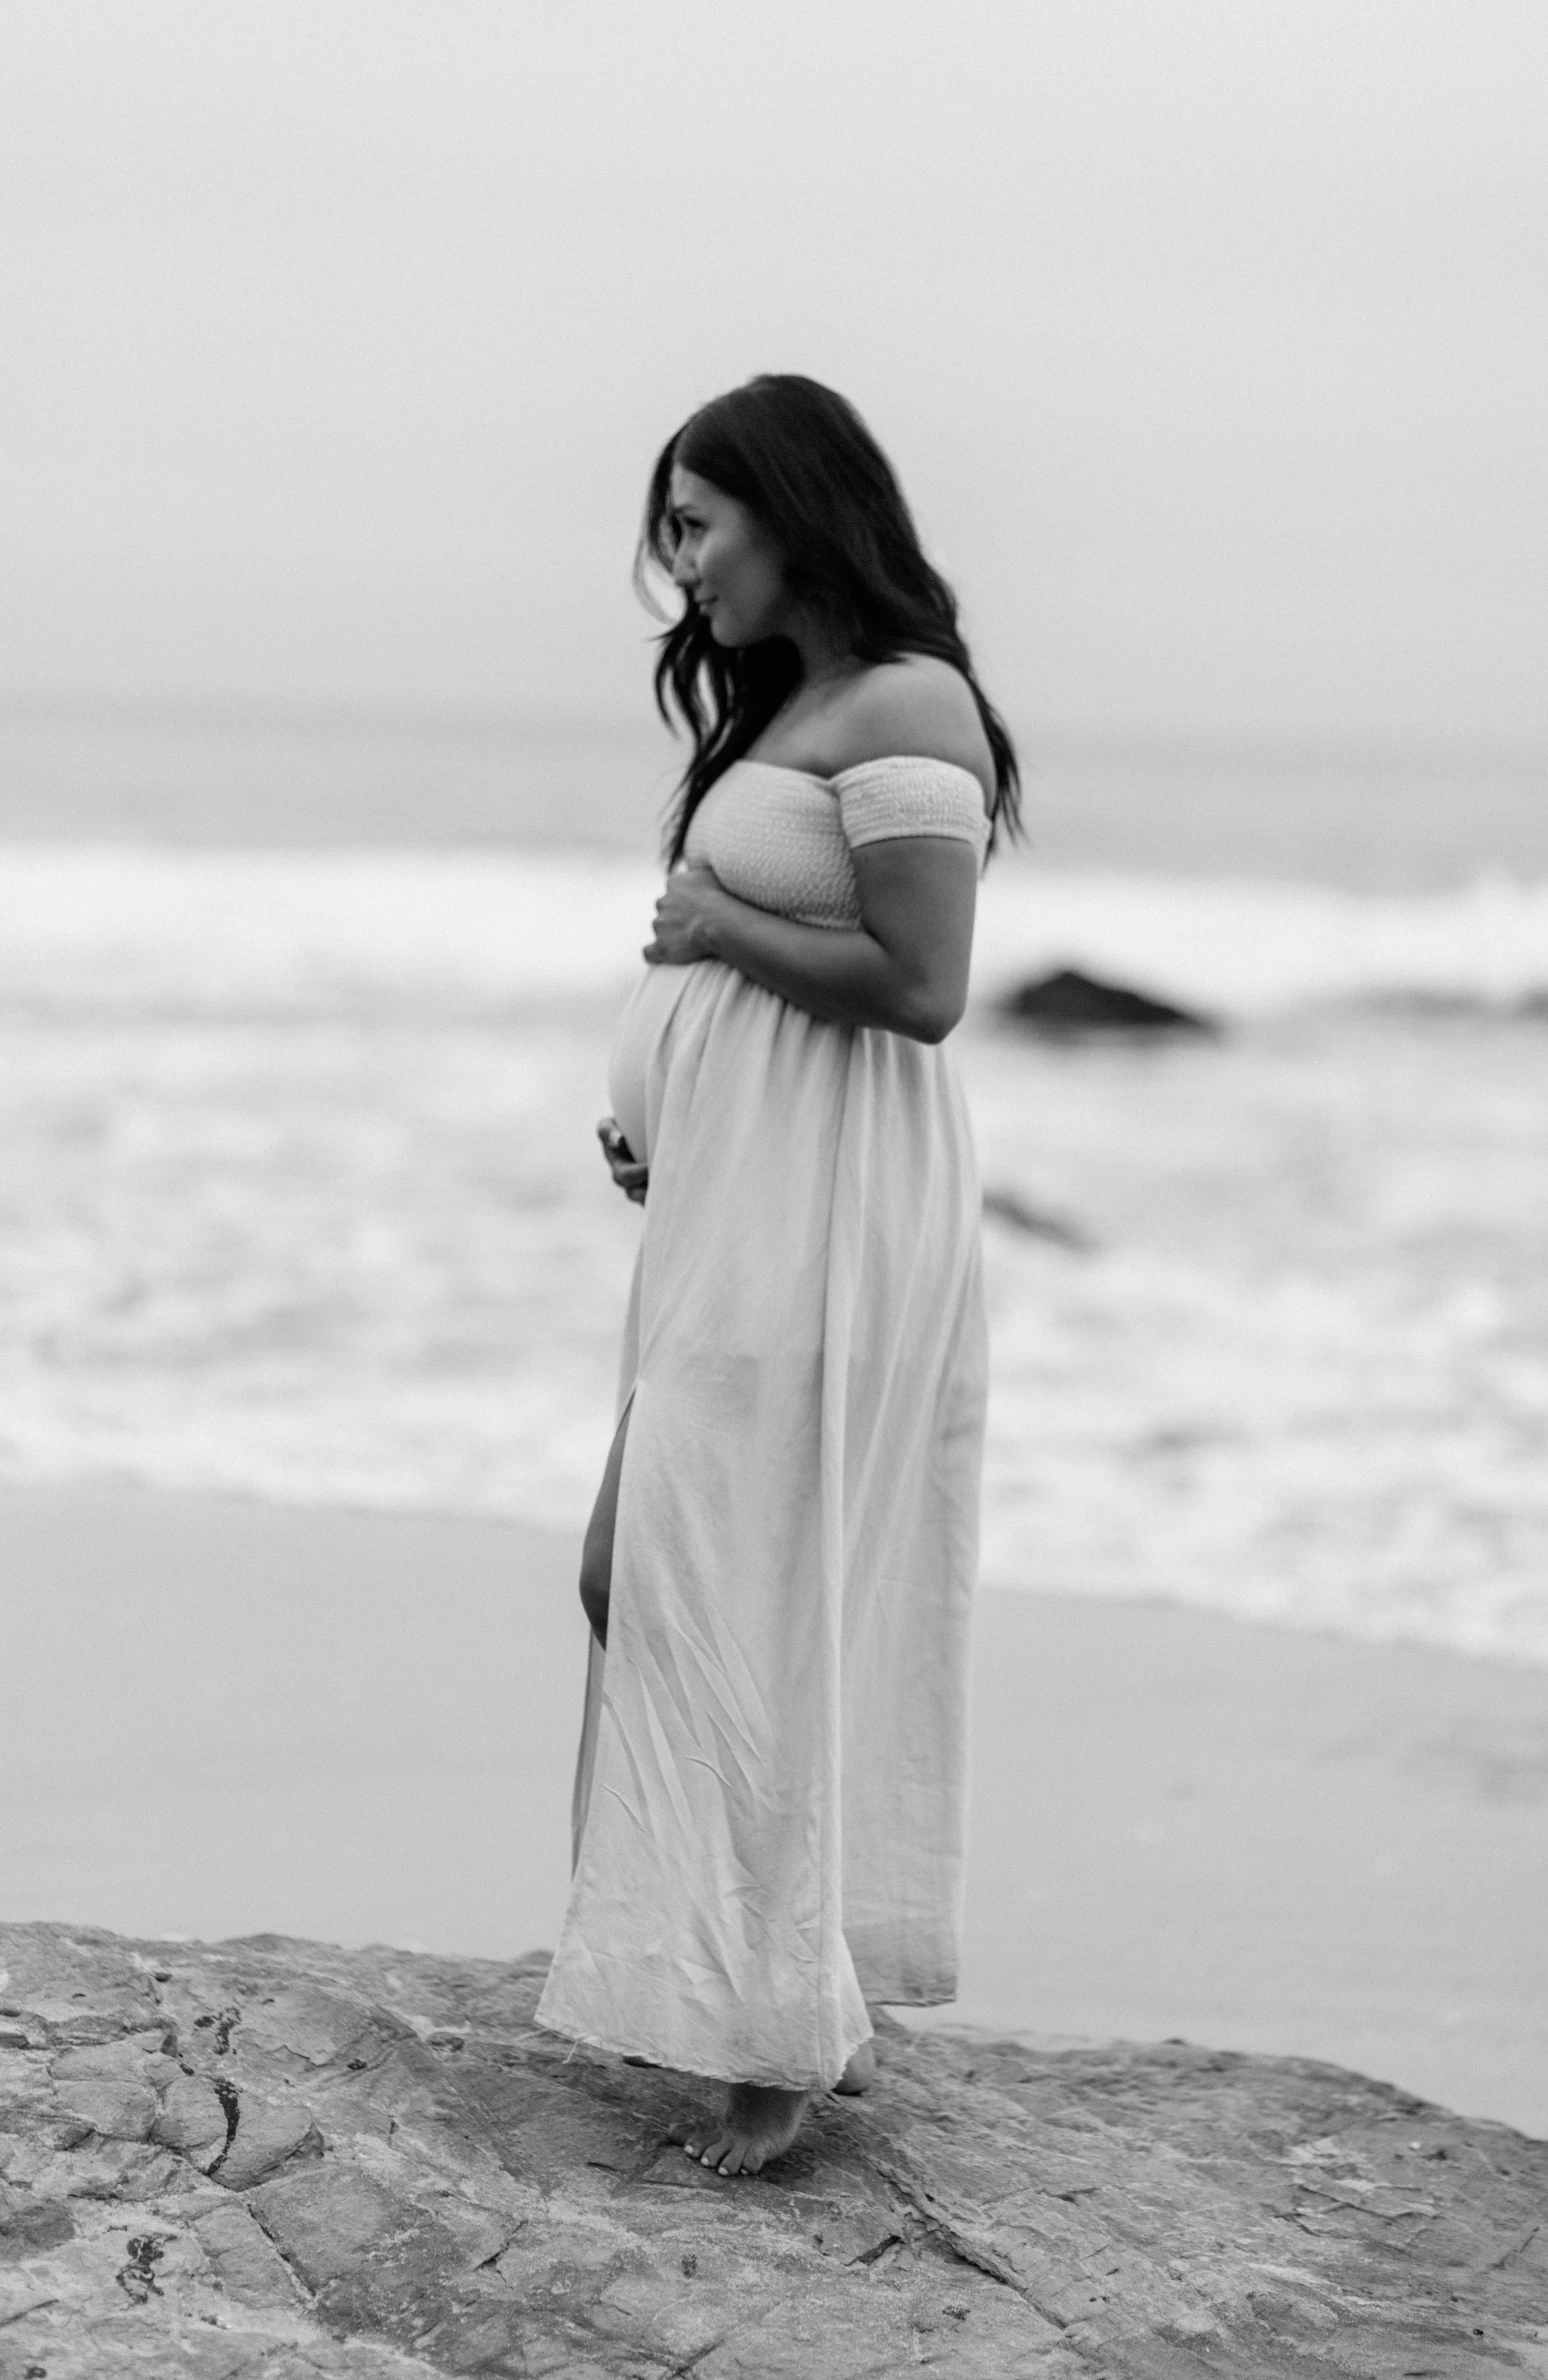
(803, 462)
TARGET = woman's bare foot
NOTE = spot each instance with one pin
(759, 2123)
(859, 2074)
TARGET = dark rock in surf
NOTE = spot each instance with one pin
(1039, 1223)
(1068, 1003)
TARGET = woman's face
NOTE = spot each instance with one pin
(727, 562)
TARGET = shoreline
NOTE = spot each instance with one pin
(222, 1717)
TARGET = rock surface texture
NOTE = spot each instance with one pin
(275, 2158)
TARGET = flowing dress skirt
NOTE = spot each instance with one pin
(770, 1805)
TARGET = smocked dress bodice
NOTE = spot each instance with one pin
(781, 839)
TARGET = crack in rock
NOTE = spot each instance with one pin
(225, 2092)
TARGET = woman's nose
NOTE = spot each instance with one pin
(684, 573)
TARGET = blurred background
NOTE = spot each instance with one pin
(1210, 345)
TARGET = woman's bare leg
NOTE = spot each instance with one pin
(596, 1571)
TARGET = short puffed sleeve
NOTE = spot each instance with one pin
(880, 801)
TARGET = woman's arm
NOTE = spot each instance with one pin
(905, 969)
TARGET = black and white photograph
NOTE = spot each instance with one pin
(773, 1189)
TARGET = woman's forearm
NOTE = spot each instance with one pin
(846, 977)
(903, 967)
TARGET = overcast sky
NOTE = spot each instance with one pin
(1211, 340)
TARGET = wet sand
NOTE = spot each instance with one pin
(222, 1717)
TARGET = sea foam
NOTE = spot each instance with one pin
(302, 1199)
(226, 929)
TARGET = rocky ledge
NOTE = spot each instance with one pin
(272, 2157)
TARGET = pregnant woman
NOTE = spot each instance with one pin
(778, 1572)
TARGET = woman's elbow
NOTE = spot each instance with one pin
(931, 1014)
(922, 994)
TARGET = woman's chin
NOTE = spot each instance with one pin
(735, 629)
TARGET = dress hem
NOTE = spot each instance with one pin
(637, 2049)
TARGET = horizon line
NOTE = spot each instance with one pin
(1068, 742)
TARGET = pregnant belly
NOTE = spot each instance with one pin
(636, 1046)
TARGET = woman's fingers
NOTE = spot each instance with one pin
(625, 1168)
(691, 898)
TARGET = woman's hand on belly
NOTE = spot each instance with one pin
(632, 1177)
(905, 969)
(692, 905)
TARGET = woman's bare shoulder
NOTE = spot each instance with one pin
(916, 704)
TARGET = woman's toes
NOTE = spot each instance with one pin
(727, 2155)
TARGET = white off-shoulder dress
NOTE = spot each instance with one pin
(770, 1797)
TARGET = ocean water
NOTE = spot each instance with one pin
(301, 1198)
